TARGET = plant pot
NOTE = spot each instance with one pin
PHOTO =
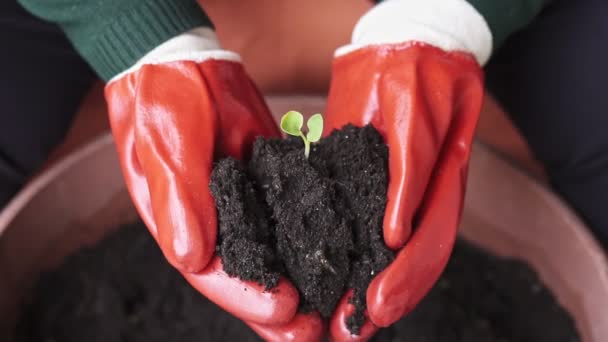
(83, 197)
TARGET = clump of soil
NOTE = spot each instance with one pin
(318, 221)
(123, 290)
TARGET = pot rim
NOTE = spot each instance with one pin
(31, 189)
(488, 220)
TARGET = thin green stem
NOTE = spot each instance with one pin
(306, 145)
(306, 148)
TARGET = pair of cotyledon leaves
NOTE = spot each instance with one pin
(292, 122)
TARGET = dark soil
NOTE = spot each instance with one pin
(123, 290)
(316, 221)
(483, 298)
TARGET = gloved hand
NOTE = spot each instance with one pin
(417, 79)
(184, 105)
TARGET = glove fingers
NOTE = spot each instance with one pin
(338, 328)
(421, 96)
(122, 123)
(173, 110)
(175, 131)
(400, 287)
(403, 91)
(303, 328)
(418, 265)
(353, 96)
(244, 114)
(246, 300)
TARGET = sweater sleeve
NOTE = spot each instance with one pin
(505, 17)
(112, 35)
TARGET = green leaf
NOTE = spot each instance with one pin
(315, 128)
(291, 123)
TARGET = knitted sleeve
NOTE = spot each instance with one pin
(112, 35)
(507, 17)
(504, 17)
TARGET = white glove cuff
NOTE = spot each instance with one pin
(197, 45)
(451, 25)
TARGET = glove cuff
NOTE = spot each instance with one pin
(197, 45)
(451, 25)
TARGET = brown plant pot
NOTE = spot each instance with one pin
(81, 198)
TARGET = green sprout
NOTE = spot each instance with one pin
(291, 123)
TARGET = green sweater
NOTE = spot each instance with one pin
(505, 17)
(112, 35)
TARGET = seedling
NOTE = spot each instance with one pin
(292, 122)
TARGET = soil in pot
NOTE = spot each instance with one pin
(316, 220)
(483, 298)
(123, 290)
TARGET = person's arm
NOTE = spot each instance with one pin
(414, 70)
(112, 35)
(173, 96)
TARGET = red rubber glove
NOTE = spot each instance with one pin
(183, 106)
(425, 102)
